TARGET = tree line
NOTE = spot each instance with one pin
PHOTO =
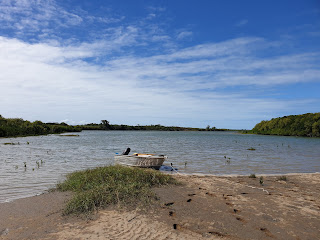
(16, 127)
(307, 125)
(105, 125)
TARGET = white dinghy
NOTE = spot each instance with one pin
(140, 160)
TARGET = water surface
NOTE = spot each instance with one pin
(49, 158)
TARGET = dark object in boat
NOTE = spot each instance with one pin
(126, 152)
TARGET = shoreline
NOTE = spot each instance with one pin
(185, 174)
(208, 207)
(242, 175)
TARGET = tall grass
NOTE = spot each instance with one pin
(103, 186)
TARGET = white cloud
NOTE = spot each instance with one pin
(160, 38)
(45, 19)
(242, 23)
(184, 35)
(31, 15)
(107, 20)
(156, 9)
(136, 72)
(151, 16)
(51, 82)
(213, 50)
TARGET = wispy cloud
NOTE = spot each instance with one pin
(184, 34)
(31, 15)
(242, 23)
(137, 72)
(183, 84)
(33, 18)
(39, 21)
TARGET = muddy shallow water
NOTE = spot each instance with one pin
(49, 158)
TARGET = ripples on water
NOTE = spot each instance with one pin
(191, 152)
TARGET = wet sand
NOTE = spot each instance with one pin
(204, 207)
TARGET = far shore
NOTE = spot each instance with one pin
(204, 207)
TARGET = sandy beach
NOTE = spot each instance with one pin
(203, 207)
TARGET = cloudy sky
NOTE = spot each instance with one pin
(228, 64)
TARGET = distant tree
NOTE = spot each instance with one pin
(106, 125)
(208, 128)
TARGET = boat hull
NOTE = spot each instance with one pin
(144, 161)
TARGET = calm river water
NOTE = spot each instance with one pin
(49, 158)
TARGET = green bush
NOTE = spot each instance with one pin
(14, 127)
(100, 187)
(295, 125)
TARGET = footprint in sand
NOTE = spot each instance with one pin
(172, 214)
(169, 204)
(191, 194)
(236, 210)
(267, 232)
(210, 194)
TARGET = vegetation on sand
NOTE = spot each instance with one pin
(261, 180)
(282, 178)
(103, 186)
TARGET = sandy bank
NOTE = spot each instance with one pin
(207, 207)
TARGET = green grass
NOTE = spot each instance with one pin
(252, 175)
(112, 185)
(261, 180)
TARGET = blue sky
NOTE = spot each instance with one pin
(228, 64)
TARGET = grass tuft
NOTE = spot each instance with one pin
(104, 186)
(282, 178)
(252, 175)
(261, 180)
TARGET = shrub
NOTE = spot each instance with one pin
(100, 187)
(282, 178)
